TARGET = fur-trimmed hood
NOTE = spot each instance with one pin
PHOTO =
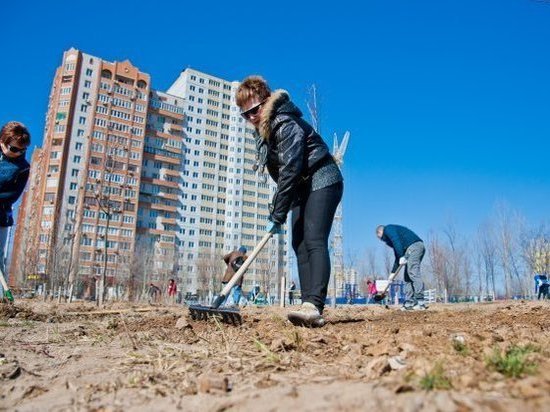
(276, 104)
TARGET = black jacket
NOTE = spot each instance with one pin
(399, 238)
(14, 174)
(292, 149)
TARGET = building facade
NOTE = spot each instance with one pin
(160, 201)
(141, 186)
(225, 202)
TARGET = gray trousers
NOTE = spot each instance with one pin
(414, 287)
(4, 231)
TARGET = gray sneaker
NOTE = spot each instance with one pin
(308, 315)
(419, 306)
(408, 305)
(416, 306)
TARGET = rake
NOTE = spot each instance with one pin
(226, 315)
(381, 295)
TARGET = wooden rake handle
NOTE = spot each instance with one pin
(391, 278)
(237, 276)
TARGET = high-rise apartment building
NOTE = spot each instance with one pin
(87, 201)
(225, 201)
(160, 201)
(24, 263)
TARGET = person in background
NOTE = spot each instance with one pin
(14, 173)
(234, 261)
(291, 293)
(309, 183)
(154, 293)
(541, 286)
(172, 290)
(409, 250)
(371, 290)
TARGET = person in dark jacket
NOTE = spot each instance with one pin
(409, 251)
(14, 173)
(234, 261)
(291, 290)
(541, 286)
(154, 293)
(309, 183)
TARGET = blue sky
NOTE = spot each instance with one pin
(447, 102)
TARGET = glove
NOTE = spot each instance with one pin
(403, 261)
(274, 228)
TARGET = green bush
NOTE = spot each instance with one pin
(513, 362)
(435, 379)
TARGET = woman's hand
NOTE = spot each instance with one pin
(274, 228)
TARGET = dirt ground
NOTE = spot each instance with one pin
(67, 357)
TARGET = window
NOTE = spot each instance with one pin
(78, 146)
(87, 83)
(82, 120)
(48, 211)
(89, 72)
(74, 173)
(73, 186)
(77, 159)
(72, 200)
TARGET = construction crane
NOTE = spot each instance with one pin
(338, 152)
(337, 244)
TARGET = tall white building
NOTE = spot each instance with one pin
(225, 202)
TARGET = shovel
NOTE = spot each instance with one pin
(381, 295)
(232, 316)
(7, 292)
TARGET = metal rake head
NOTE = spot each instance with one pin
(379, 297)
(229, 316)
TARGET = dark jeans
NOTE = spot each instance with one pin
(311, 223)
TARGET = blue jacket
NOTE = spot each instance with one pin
(399, 238)
(14, 174)
(540, 280)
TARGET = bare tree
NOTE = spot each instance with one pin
(535, 249)
(487, 250)
(459, 273)
(264, 268)
(209, 273)
(437, 259)
(509, 224)
(139, 267)
(371, 262)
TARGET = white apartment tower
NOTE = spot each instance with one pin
(225, 202)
